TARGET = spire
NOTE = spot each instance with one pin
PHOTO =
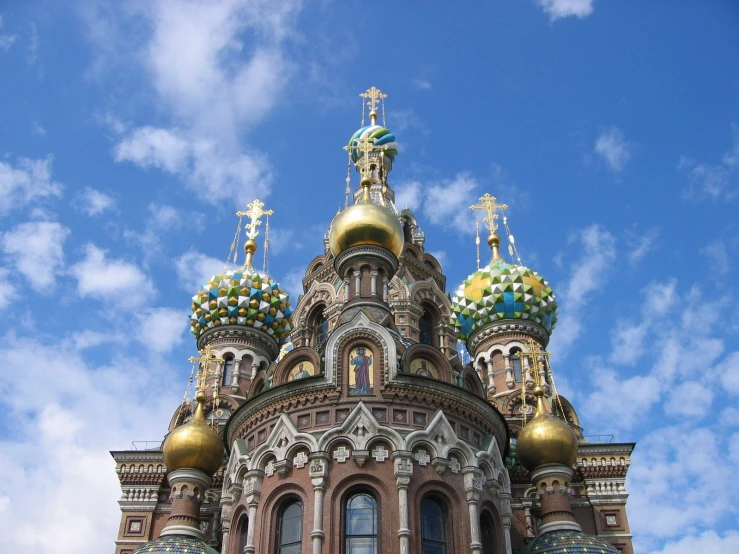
(254, 213)
(489, 205)
(375, 95)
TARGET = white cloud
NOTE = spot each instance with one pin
(114, 280)
(718, 258)
(606, 403)
(6, 41)
(218, 68)
(613, 148)
(6, 288)
(558, 9)
(29, 181)
(588, 274)
(712, 181)
(728, 371)
(440, 256)
(80, 414)
(689, 399)
(422, 84)
(446, 203)
(93, 202)
(408, 195)
(194, 269)
(292, 282)
(641, 245)
(37, 129)
(708, 541)
(36, 249)
(160, 329)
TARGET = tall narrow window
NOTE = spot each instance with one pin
(516, 363)
(487, 533)
(321, 329)
(243, 530)
(433, 527)
(290, 529)
(228, 367)
(426, 329)
(361, 525)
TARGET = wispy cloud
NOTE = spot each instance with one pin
(717, 256)
(422, 84)
(613, 148)
(6, 41)
(36, 250)
(641, 244)
(93, 202)
(712, 181)
(557, 9)
(28, 181)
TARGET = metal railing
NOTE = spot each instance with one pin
(146, 445)
(598, 438)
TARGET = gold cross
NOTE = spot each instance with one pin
(206, 357)
(254, 212)
(534, 352)
(375, 95)
(489, 205)
(365, 145)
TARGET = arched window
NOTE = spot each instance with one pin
(290, 528)
(321, 329)
(516, 363)
(433, 526)
(242, 531)
(487, 533)
(361, 525)
(426, 329)
(228, 367)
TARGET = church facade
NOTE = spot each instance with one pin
(349, 421)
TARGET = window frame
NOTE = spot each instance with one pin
(443, 503)
(284, 506)
(348, 497)
(227, 371)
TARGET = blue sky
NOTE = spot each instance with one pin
(130, 133)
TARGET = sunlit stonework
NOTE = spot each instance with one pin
(377, 415)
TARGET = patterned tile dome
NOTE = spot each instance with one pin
(570, 542)
(503, 291)
(175, 544)
(242, 297)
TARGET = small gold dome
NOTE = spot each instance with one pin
(546, 439)
(366, 223)
(194, 445)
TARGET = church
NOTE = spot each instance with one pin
(380, 412)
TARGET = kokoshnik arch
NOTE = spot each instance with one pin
(349, 423)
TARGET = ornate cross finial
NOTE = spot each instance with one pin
(375, 95)
(536, 353)
(206, 357)
(489, 205)
(254, 212)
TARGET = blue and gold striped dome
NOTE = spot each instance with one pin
(503, 291)
(383, 137)
(242, 297)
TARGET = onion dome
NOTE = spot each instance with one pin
(557, 542)
(502, 291)
(546, 439)
(379, 136)
(194, 445)
(175, 544)
(366, 223)
(242, 297)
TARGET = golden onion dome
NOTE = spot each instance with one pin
(194, 445)
(366, 223)
(546, 439)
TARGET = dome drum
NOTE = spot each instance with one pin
(227, 335)
(372, 255)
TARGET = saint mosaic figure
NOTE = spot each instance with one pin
(361, 363)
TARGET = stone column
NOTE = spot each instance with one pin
(318, 471)
(526, 368)
(506, 517)
(373, 282)
(472, 488)
(403, 469)
(235, 375)
(252, 494)
(357, 284)
(346, 289)
(509, 378)
(491, 377)
(384, 289)
(188, 491)
(227, 500)
(543, 374)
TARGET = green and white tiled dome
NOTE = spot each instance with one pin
(503, 291)
(242, 297)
